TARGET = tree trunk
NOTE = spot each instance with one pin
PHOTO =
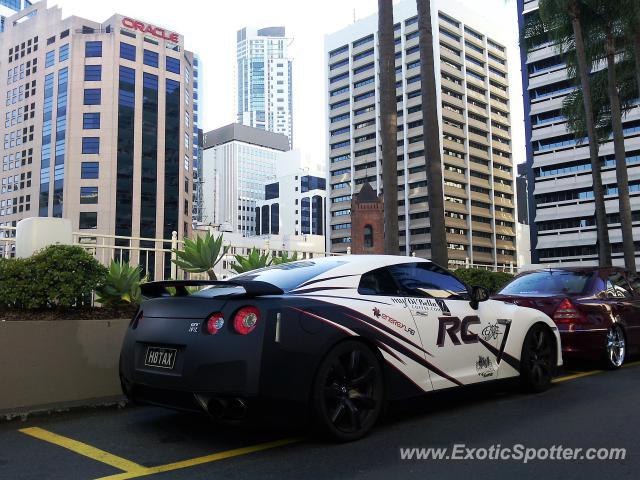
(621, 163)
(636, 54)
(431, 136)
(604, 246)
(211, 274)
(388, 125)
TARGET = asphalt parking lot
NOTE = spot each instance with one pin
(584, 409)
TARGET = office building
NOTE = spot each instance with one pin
(9, 8)
(98, 124)
(264, 75)
(474, 122)
(295, 204)
(561, 206)
(237, 163)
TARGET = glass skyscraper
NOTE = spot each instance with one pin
(264, 74)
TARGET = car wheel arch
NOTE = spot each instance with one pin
(331, 345)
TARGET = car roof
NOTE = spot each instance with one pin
(585, 269)
(354, 265)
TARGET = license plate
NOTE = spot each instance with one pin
(160, 357)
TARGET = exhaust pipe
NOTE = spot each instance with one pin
(237, 409)
(221, 408)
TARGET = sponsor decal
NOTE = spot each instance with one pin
(422, 304)
(490, 332)
(484, 367)
(443, 307)
(153, 30)
(396, 323)
(452, 326)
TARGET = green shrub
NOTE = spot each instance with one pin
(285, 258)
(121, 286)
(14, 282)
(57, 276)
(252, 261)
(201, 254)
(492, 281)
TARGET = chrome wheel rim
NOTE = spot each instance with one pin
(615, 346)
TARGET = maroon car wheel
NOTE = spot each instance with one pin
(616, 347)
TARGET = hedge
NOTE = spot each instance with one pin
(492, 281)
(59, 276)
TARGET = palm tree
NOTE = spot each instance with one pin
(631, 29)
(431, 136)
(388, 124)
(561, 20)
(609, 20)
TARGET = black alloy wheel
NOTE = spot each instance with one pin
(348, 391)
(538, 360)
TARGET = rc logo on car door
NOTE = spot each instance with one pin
(449, 328)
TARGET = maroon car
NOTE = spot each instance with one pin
(597, 310)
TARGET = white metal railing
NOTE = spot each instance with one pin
(155, 255)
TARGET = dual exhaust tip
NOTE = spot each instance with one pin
(221, 408)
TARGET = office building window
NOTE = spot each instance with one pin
(50, 59)
(92, 96)
(150, 58)
(63, 53)
(126, 120)
(93, 49)
(90, 145)
(89, 170)
(88, 220)
(88, 195)
(173, 65)
(91, 121)
(127, 51)
(92, 73)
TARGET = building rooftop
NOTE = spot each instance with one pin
(242, 133)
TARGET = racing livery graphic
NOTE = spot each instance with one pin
(337, 336)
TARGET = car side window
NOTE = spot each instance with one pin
(378, 282)
(617, 286)
(635, 285)
(424, 279)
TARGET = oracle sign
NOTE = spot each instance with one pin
(155, 31)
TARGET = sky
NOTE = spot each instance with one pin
(209, 29)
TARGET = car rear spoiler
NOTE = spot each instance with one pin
(252, 288)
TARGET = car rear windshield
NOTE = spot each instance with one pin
(551, 282)
(288, 276)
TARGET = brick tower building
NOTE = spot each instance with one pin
(367, 222)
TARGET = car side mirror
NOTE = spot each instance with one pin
(478, 294)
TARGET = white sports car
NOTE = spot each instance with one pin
(338, 335)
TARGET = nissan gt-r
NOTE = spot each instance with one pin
(339, 336)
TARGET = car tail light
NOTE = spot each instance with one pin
(567, 313)
(246, 320)
(214, 323)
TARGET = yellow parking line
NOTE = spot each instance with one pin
(84, 449)
(589, 373)
(576, 375)
(201, 460)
